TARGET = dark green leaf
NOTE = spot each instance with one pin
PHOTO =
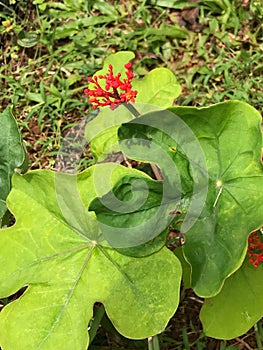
(226, 204)
(27, 39)
(135, 214)
(12, 155)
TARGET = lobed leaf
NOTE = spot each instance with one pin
(242, 302)
(230, 206)
(57, 251)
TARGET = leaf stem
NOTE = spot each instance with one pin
(153, 343)
(258, 334)
(132, 109)
(156, 170)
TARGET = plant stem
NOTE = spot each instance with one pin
(153, 343)
(132, 109)
(156, 170)
(258, 334)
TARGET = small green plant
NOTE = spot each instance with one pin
(100, 235)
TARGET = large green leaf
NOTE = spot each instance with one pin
(225, 212)
(237, 307)
(57, 251)
(12, 155)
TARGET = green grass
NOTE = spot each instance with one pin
(48, 49)
(57, 46)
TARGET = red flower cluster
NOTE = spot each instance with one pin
(255, 248)
(121, 90)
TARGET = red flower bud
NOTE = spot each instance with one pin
(255, 248)
(100, 97)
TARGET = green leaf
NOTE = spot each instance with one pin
(72, 79)
(12, 155)
(160, 34)
(36, 97)
(82, 40)
(54, 90)
(230, 136)
(135, 214)
(177, 4)
(221, 178)
(117, 60)
(159, 87)
(237, 307)
(71, 28)
(2, 210)
(101, 132)
(56, 250)
(172, 31)
(27, 39)
(105, 8)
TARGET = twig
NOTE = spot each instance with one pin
(157, 172)
(244, 343)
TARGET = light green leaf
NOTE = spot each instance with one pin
(101, 132)
(237, 307)
(172, 31)
(223, 212)
(36, 97)
(117, 60)
(159, 87)
(105, 8)
(56, 249)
